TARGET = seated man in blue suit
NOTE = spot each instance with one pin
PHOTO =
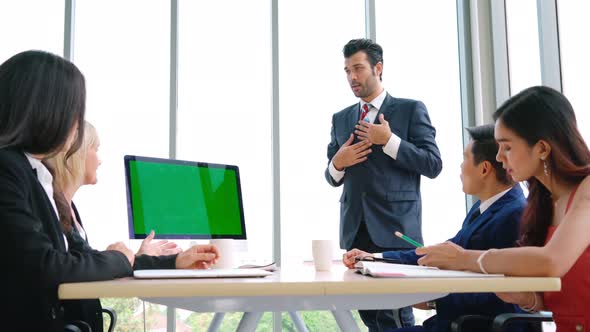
(492, 222)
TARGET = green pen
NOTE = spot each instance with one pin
(407, 239)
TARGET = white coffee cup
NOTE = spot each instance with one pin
(321, 251)
(226, 253)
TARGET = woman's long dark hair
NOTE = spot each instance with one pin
(42, 96)
(541, 113)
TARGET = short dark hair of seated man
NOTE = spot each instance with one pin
(485, 148)
(492, 222)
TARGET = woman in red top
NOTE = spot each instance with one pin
(540, 143)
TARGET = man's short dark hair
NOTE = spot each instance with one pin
(373, 51)
(485, 148)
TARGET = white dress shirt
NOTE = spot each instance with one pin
(46, 180)
(483, 206)
(390, 148)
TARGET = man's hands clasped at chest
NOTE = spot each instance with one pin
(368, 133)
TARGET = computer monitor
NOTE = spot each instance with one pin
(183, 199)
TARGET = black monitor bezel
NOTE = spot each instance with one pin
(133, 235)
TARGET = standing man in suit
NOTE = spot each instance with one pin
(492, 222)
(379, 148)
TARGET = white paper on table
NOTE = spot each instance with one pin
(389, 270)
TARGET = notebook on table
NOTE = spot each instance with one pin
(389, 270)
(210, 273)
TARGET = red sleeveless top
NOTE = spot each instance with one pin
(571, 305)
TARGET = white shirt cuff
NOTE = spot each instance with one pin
(392, 146)
(378, 255)
(336, 174)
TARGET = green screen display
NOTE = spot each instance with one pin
(179, 199)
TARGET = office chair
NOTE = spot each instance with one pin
(113, 318)
(82, 326)
(465, 322)
(535, 319)
(77, 326)
(501, 322)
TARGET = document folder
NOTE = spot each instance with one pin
(389, 270)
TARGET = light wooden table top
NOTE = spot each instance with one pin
(300, 280)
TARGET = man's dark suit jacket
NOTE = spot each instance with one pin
(34, 256)
(383, 191)
(497, 227)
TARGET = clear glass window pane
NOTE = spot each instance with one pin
(313, 87)
(523, 44)
(122, 47)
(575, 68)
(421, 62)
(224, 101)
(31, 24)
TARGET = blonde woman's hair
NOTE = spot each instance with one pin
(69, 172)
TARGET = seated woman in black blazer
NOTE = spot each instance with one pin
(42, 104)
(69, 174)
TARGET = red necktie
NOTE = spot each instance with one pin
(365, 111)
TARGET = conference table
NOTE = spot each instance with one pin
(296, 288)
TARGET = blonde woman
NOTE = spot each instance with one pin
(80, 169)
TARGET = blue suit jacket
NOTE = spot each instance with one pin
(497, 227)
(383, 191)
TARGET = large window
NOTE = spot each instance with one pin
(421, 62)
(224, 101)
(523, 44)
(126, 65)
(30, 24)
(575, 68)
(313, 86)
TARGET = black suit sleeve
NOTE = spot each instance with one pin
(145, 262)
(27, 249)
(419, 152)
